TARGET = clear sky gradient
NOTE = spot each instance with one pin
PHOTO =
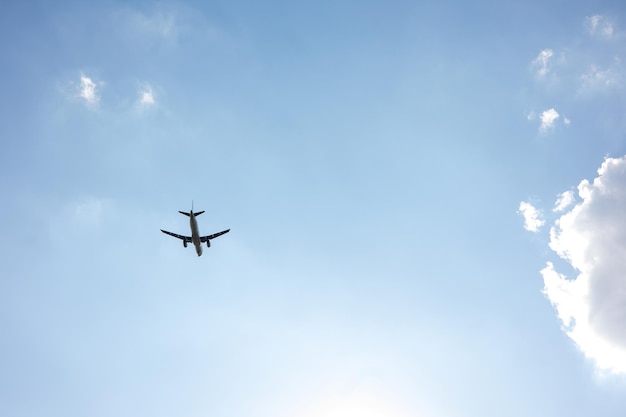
(426, 203)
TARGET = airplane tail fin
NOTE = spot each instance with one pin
(194, 214)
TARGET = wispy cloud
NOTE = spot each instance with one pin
(79, 218)
(607, 79)
(88, 90)
(533, 219)
(563, 201)
(598, 25)
(164, 24)
(591, 236)
(89, 211)
(160, 23)
(542, 62)
(584, 68)
(146, 96)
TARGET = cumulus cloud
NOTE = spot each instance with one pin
(548, 118)
(88, 90)
(598, 25)
(591, 237)
(563, 201)
(542, 62)
(533, 219)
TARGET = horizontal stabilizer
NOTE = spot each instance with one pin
(187, 214)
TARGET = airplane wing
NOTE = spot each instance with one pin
(209, 237)
(185, 238)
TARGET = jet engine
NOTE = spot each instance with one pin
(184, 243)
(208, 243)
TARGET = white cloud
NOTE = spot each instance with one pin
(592, 238)
(548, 118)
(563, 201)
(585, 68)
(602, 79)
(533, 219)
(146, 96)
(542, 62)
(87, 90)
(598, 25)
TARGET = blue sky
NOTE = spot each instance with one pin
(425, 202)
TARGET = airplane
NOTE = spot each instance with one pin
(195, 237)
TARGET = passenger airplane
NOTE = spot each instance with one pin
(195, 236)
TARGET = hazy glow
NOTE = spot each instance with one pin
(355, 406)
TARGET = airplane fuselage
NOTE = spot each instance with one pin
(195, 235)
